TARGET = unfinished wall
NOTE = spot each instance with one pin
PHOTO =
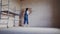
(56, 13)
(41, 12)
(14, 6)
(45, 13)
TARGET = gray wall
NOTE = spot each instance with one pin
(56, 13)
(45, 13)
(42, 13)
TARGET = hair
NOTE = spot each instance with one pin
(26, 9)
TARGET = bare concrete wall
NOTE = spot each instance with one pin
(56, 13)
(45, 13)
(13, 6)
(41, 12)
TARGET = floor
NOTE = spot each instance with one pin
(29, 30)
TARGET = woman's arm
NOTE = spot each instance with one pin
(30, 10)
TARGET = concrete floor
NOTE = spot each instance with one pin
(29, 30)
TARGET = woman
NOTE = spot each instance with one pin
(26, 13)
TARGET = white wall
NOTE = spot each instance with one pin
(41, 12)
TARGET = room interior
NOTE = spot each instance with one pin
(44, 19)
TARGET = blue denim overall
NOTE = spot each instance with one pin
(26, 17)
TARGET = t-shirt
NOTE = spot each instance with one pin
(27, 12)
